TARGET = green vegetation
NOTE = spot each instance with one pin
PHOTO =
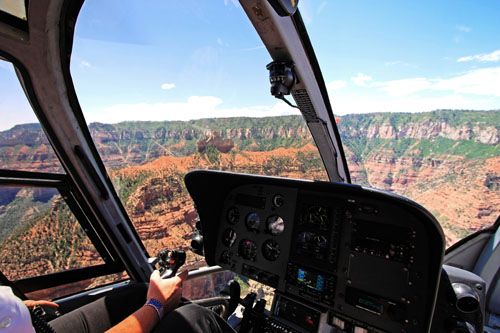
(42, 220)
(127, 185)
(468, 148)
(309, 161)
(24, 205)
(452, 118)
(492, 181)
(422, 148)
(50, 242)
(213, 155)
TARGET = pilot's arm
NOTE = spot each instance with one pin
(166, 292)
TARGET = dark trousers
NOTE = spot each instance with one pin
(108, 311)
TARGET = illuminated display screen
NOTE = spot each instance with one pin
(370, 305)
(310, 280)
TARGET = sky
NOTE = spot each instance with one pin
(179, 60)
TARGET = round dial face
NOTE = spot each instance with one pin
(253, 221)
(304, 239)
(275, 225)
(226, 257)
(320, 243)
(271, 250)
(316, 215)
(248, 249)
(233, 215)
(278, 200)
(228, 237)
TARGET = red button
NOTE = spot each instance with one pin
(172, 261)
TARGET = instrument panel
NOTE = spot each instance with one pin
(361, 257)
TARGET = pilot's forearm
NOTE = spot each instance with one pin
(143, 320)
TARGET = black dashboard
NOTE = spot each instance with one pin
(341, 257)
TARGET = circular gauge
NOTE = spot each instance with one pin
(275, 225)
(278, 200)
(304, 239)
(233, 215)
(248, 249)
(226, 256)
(228, 237)
(316, 215)
(320, 243)
(271, 250)
(253, 221)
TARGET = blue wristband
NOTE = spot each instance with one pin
(157, 305)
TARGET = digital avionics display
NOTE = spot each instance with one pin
(310, 280)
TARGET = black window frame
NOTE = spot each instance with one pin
(66, 189)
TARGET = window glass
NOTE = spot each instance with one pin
(14, 7)
(416, 86)
(39, 235)
(75, 287)
(39, 228)
(159, 104)
(23, 144)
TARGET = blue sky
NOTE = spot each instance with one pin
(166, 60)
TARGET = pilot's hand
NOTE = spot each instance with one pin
(167, 291)
(31, 303)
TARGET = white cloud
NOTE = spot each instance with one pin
(486, 57)
(321, 7)
(84, 63)
(253, 48)
(463, 28)
(361, 80)
(405, 87)
(167, 86)
(195, 107)
(235, 3)
(484, 81)
(336, 85)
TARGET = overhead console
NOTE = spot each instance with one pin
(339, 255)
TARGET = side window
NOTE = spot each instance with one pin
(23, 144)
(40, 235)
(44, 249)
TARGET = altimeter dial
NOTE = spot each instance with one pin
(271, 250)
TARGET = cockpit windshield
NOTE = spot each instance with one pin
(222, 136)
(416, 88)
(164, 95)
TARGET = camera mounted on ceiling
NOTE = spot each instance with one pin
(282, 79)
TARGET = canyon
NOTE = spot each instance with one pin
(448, 161)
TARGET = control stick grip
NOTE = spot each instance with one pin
(170, 261)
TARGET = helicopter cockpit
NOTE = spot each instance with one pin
(91, 209)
